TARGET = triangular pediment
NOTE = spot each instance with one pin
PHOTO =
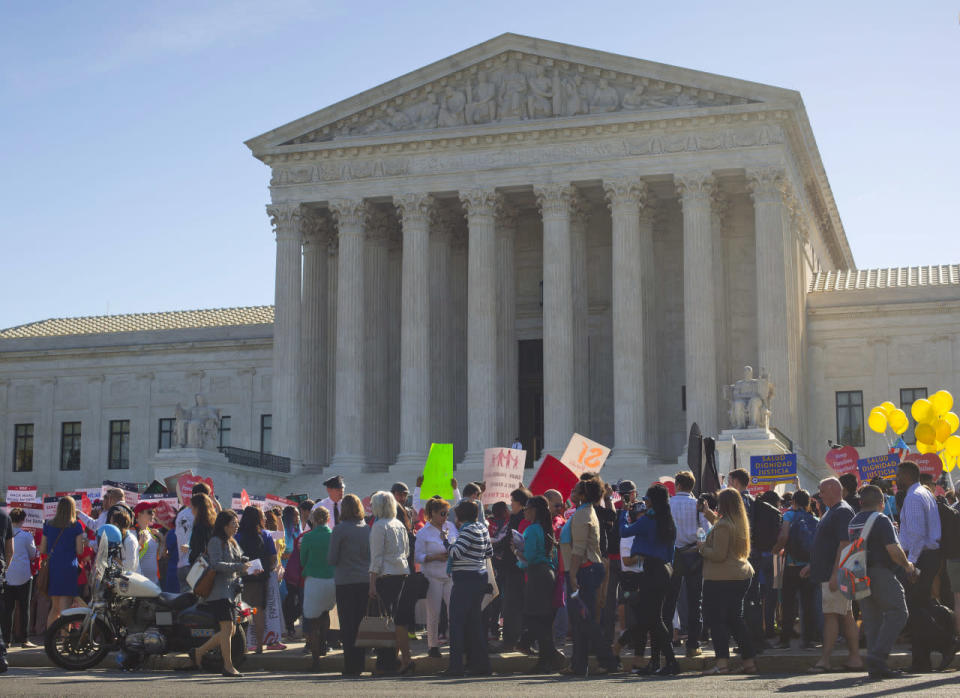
(516, 79)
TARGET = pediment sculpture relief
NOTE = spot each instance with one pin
(517, 89)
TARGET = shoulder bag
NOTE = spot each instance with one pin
(377, 628)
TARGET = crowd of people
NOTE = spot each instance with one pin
(607, 568)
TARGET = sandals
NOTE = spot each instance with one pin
(818, 669)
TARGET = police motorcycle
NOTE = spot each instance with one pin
(130, 614)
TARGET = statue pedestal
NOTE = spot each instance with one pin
(750, 442)
(227, 477)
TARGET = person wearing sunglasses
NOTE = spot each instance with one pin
(430, 552)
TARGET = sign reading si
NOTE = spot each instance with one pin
(780, 467)
(884, 467)
(582, 455)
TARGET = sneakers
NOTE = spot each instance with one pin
(277, 646)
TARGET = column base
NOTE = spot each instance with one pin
(408, 460)
(344, 463)
(472, 460)
(312, 468)
(375, 467)
(625, 456)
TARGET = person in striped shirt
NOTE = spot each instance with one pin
(468, 566)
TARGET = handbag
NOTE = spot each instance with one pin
(201, 577)
(43, 573)
(376, 630)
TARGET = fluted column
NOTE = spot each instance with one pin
(414, 211)
(349, 384)
(650, 426)
(286, 219)
(718, 212)
(768, 187)
(626, 197)
(441, 327)
(699, 336)
(481, 325)
(580, 217)
(554, 201)
(313, 341)
(376, 406)
(507, 354)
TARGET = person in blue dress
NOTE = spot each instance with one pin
(62, 542)
(170, 582)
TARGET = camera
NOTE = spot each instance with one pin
(636, 510)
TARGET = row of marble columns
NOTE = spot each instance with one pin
(300, 329)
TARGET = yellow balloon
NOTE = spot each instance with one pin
(949, 464)
(943, 429)
(953, 420)
(942, 402)
(898, 421)
(925, 434)
(923, 448)
(952, 445)
(887, 407)
(921, 410)
(877, 422)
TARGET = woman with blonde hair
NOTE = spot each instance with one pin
(63, 542)
(389, 570)
(726, 578)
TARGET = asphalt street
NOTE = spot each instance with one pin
(101, 682)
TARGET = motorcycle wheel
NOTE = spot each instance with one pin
(60, 643)
(213, 662)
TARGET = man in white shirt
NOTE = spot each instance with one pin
(689, 516)
(19, 579)
(920, 539)
(331, 502)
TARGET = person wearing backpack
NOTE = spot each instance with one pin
(884, 610)
(796, 541)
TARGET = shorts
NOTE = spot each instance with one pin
(953, 573)
(834, 601)
(319, 596)
(222, 610)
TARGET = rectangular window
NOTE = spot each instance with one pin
(165, 440)
(70, 446)
(908, 396)
(266, 427)
(850, 417)
(224, 431)
(119, 444)
(22, 448)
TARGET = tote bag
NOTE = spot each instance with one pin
(376, 628)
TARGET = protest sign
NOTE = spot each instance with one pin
(778, 467)
(843, 460)
(93, 493)
(554, 475)
(167, 505)
(131, 493)
(582, 454)
(928, 463)
(50, 507)
(759, 487)
(502, 473)
(186, 483)
(21, 493)
(884, 467)
(171, 482)
(667, 482)
(438, 472)
(83, 501)
(34, 515)
(272, 500)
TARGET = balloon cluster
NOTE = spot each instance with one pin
(935, 428)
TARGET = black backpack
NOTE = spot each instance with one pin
(949, 531)
(766, 526)
(800, 539)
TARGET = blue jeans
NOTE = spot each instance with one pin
(586, 628)
(466, 622)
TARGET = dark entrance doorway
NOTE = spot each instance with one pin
(531, 397)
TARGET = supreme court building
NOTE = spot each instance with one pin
(530, 239)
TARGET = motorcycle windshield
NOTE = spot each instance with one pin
(102, 560)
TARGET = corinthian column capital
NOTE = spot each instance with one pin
(315, 228)
(506, 214)
(479, 202)
(285, 217)
(414, 209)
(767, 185)
(348, 213)
(555, 200)
(694, 187)
(626, 191)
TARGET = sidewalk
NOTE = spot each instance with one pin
(292, 659)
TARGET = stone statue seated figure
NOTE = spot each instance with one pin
(750, 400)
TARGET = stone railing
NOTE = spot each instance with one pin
(256, 459)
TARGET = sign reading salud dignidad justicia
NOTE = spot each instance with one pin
(779, 467)
(884, 466)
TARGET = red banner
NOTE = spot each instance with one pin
(553, 475)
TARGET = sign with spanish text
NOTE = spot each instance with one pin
(582, 455)
(21, 493)
(778, 467)
(929, 463)
(502, 473)
(884, 467)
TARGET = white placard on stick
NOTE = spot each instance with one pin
(502, 473)
(583, 454)
(34, 515)
(21, 493)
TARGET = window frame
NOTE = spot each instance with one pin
(224, 429)
(908, 435)
(25, 438)
(849, 407)
(75, 437)
(123, 434)
(266, 427)
(161, 432)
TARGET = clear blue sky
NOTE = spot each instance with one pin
(125, 185)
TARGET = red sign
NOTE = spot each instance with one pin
(928, 463)
(757, 488)
(843, 460)
(185, 486)
(554, 475)
(667, 482)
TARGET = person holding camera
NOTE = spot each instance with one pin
(654, 532)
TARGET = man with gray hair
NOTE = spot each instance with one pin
(829, 540)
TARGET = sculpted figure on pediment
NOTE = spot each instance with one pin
(605, 99)
(540, 100)
(452, 105)
(567, 99)
(483, 108)
(686, 99)
(513, 91)
(639, 98)
(425, 113)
